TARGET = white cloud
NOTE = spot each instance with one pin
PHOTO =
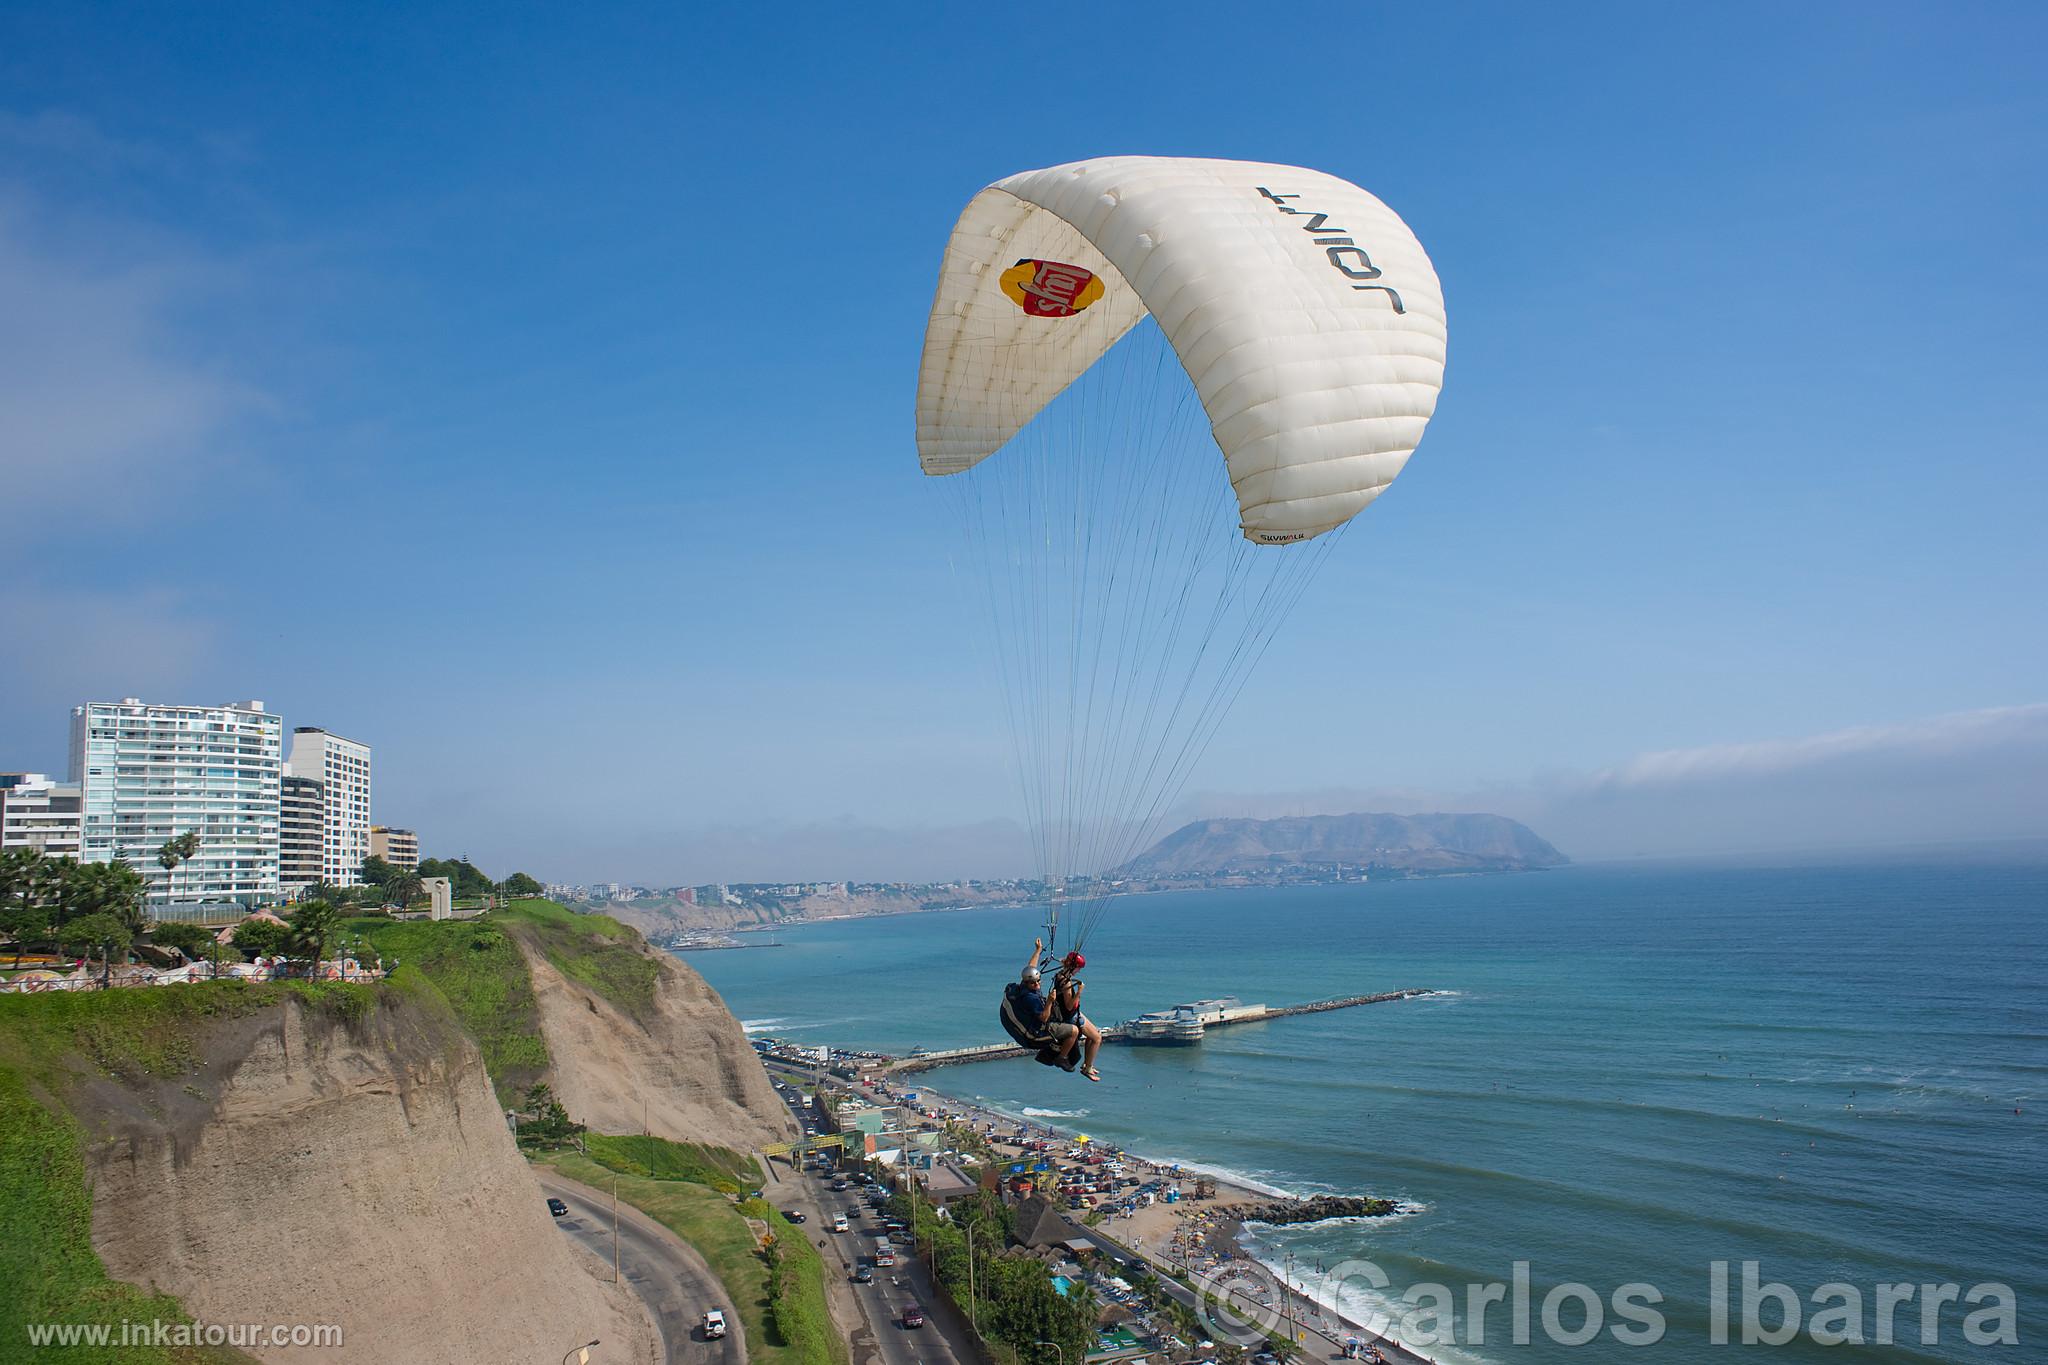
(1962, 777)
(1935, 739)
(100, 401)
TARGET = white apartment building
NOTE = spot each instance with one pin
(343, 765)
(39, 814)
(148, 773)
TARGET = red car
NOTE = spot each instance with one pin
(913, 1316)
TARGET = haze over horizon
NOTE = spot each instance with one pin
(544, 422)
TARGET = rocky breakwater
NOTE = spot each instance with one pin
(1318, 1209)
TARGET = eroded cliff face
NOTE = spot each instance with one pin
(362, 1175)
(685, 1068)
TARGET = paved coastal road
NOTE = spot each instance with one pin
(665, 1271)
(882, 1339)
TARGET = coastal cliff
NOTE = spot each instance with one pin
(264, 1156)
(339, 1153)
(675, 1060)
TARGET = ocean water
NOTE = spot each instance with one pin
(1635, 1072)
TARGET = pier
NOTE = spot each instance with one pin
(1257, 1014)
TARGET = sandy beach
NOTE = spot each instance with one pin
(1196, 1238)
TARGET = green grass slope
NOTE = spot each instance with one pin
(476, 966)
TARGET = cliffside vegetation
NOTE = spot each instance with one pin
(476, 966)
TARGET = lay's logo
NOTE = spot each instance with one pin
(1050, 289)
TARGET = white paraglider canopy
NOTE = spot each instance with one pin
(1303, 309)
(1074, 306)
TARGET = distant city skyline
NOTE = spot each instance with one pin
(557, 432)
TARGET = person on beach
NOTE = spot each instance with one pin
(1066, 994)
(1028, 1016)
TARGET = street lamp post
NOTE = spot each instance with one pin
(973, 1311)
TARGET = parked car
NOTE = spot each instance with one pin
(714, 1324)
(913, 1316)
(793, 1215)
(558, 1208)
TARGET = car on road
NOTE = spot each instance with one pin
(863, 1274)
(913, 1316)
(839, 1223)
(840, 1184)
(558, 1208)
(714, 1324)
(793, 1215)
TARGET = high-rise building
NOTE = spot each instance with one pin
(149, 773)
(399, 847)
(302, 820)
(39, 814)
(343, 767)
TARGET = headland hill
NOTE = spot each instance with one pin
(1216, 854)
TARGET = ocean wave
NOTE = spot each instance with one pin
(1031, 1113)
(761, 1025)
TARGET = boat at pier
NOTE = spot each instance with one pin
(1184, 1025)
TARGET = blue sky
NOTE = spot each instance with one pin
(554, 369)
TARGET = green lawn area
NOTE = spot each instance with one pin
(477, 969)
(476, 966)
(595, 950)
(721, 1168)
(782, 1308)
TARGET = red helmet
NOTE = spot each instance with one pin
(1075, 962)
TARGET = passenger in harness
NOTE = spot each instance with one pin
(1027, 1016)
(1066, 1004)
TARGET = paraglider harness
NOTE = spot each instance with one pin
(1029, 1032)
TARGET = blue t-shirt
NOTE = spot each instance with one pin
(1031, 1004)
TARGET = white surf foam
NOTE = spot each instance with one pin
(1355, 1302)
(1031, 1113)
(761, 1025)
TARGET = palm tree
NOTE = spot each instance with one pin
(114, 888)
(23, 912)
(20, 869)
(167, 858)
(314, 928)
(401, 887)
(182, 849)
